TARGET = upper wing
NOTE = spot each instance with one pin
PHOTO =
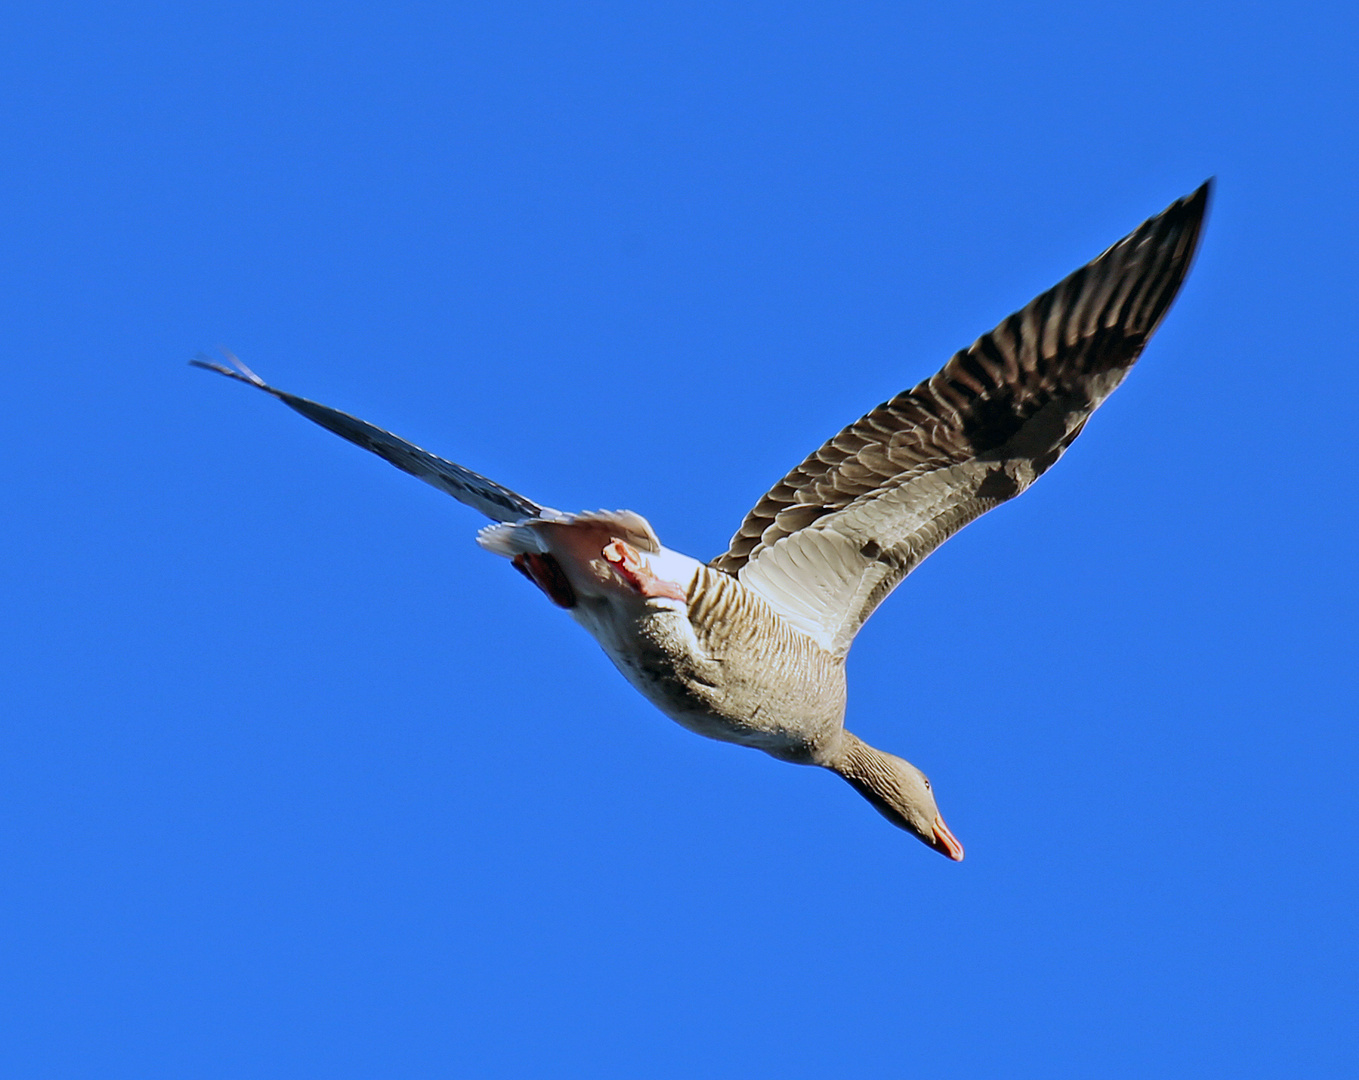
(840, 531)
(495, 501)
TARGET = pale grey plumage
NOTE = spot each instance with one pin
(750, 648)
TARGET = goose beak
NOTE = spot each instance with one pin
(945, 842)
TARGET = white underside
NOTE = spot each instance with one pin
(649, 638)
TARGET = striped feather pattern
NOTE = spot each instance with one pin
(841, 530)
(771, 686)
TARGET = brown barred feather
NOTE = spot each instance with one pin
(1070, 346)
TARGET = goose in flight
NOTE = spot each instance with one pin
(750, 647)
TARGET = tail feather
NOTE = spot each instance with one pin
(528, 536)
(509, 540)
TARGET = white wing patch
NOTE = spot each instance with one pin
(824, 579)
(808, 578)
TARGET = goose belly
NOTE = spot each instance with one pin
(750, 703)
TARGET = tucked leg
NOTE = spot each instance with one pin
(545, 572)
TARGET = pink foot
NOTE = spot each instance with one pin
(633, 569)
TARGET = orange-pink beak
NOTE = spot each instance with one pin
(945, 842)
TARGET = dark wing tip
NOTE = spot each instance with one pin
(1193, 205)
(1153, 260)
(237, 371)
(1187, 214)
(1196, 205)
(1193, 208)
(1181, 219)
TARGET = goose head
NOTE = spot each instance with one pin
(897, 790)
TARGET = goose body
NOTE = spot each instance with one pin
(750, 647)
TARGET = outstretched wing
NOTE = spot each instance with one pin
(828, 543)
(495, 501)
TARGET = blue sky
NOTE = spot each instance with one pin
(296, 781)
